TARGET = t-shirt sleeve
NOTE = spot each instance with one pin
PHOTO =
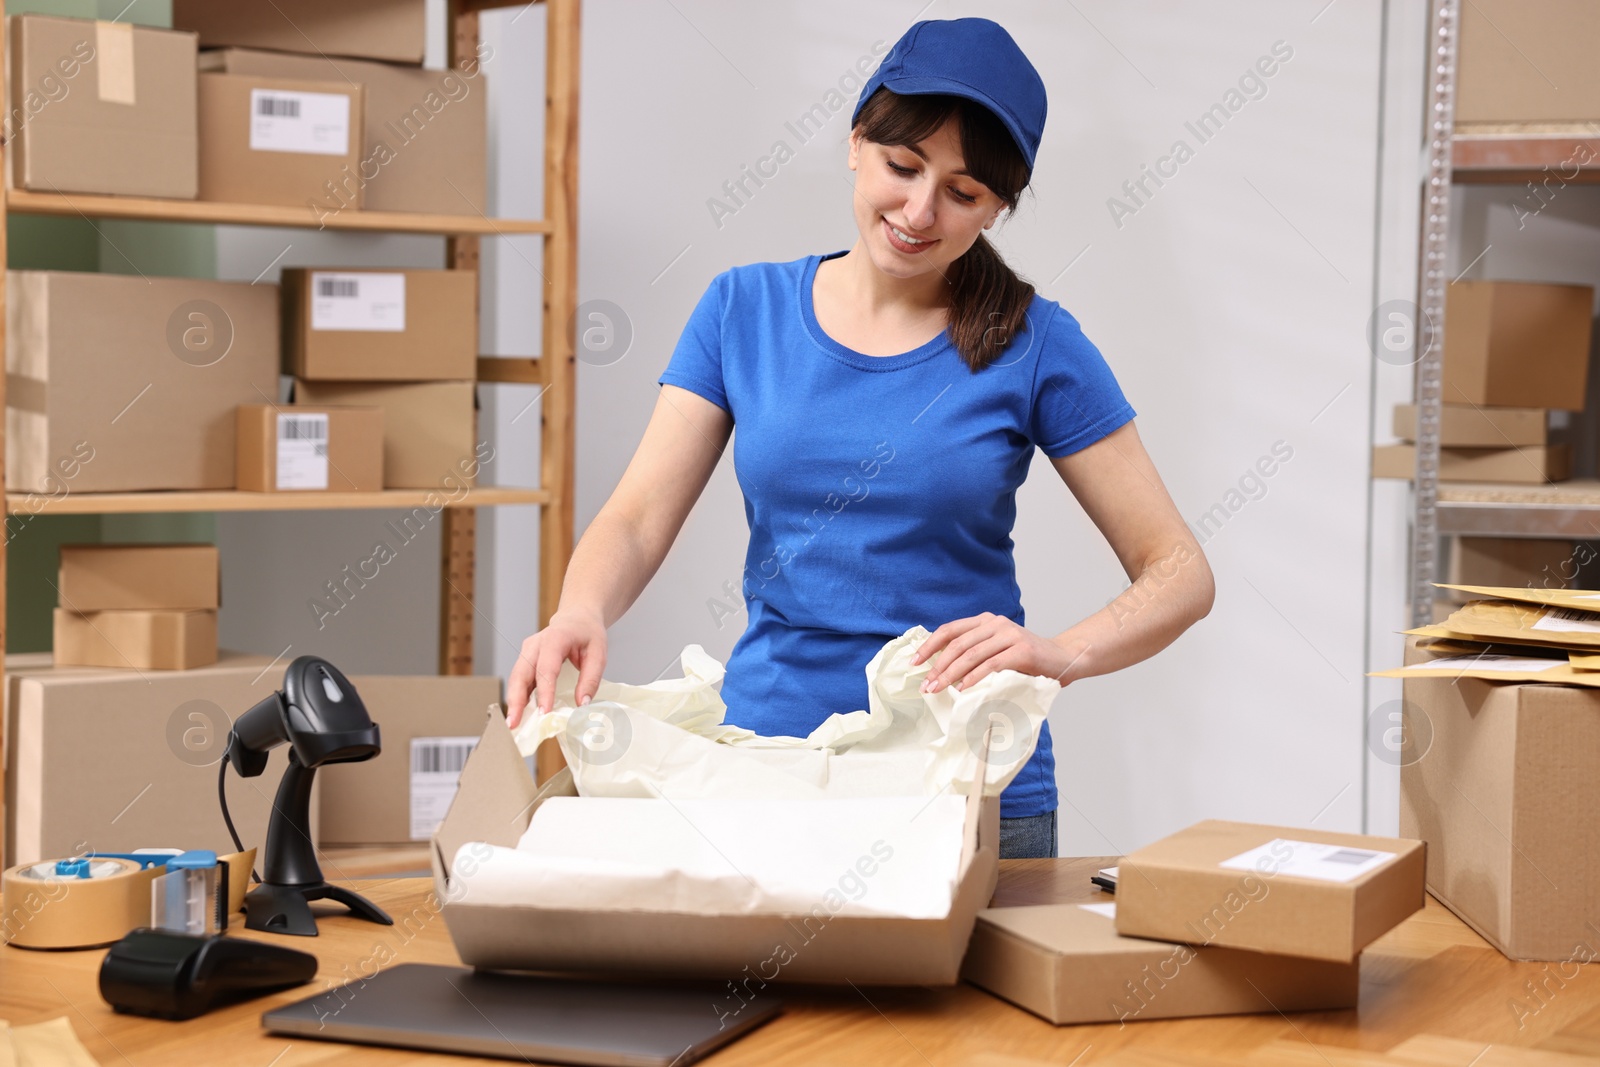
(1076, 398)
(696, 363)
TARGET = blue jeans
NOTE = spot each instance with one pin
(1028, 838)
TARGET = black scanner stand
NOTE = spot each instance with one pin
(291, 878)
(320, 716)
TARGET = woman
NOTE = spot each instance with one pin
(889, 400)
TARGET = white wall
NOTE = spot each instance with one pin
(1233, 307)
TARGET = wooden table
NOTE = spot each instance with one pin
(1432, 992)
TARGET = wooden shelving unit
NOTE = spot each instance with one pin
(553, 369)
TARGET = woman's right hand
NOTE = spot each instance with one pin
(576, 636)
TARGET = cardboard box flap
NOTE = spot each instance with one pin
(495, 780)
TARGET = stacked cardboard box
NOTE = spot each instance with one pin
(403, 341)
(1221, 918)
(424, 140)
(101, 107)
(1530, 562)
(1502, 714)
(310, 449)
(144, 607)
(1515, 354)
(161, 414)
(327, 106)
(280, 141)
(1528, 61)
(392, 30)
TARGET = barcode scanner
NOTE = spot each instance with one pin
(319, 715)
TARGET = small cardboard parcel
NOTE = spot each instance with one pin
(859, 853)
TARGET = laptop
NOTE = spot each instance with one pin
(526, 1017)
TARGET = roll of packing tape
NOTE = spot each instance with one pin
(94, 903)
(239, 865)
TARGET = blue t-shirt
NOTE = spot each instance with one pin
(880, 491)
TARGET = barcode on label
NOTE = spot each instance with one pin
(443, 757)
(436, 764)
(1572, 614)
(1349, 855)
(303, 428)
(342, 288)
(278, 107)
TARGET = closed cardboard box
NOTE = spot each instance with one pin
(1504, 793)
(393, 30)
(1510, 562)
(172, 577)
(141, 393)
(114, 760)
(1528, 61)
(1278, 889)
(1530, 465)
(310, 449)
(429, 724)
(101, 107)
(1469, 426)
(429, 428)
(1067, 963)
(375, 325)
(425, 141)
(277, 141)
(1517, 344)
(136, 640)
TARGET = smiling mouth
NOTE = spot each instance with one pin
(906, 237)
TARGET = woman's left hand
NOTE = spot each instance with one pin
(972, 648)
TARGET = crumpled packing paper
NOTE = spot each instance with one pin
(669, 736)
(655, 766)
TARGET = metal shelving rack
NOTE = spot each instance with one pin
(553, 370)
(1498, 154)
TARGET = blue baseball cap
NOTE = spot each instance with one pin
(972, 58)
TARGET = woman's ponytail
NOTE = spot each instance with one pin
(988, 304)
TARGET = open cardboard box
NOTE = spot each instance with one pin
(495, 802)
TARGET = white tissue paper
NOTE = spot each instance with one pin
(880, 789)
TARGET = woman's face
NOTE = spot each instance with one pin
(923, 193)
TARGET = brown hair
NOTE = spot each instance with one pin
(988, 301)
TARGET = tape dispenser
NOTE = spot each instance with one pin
(95, 899)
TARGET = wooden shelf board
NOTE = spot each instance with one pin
(1518, 153)
(232, 500)
(23, 202)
